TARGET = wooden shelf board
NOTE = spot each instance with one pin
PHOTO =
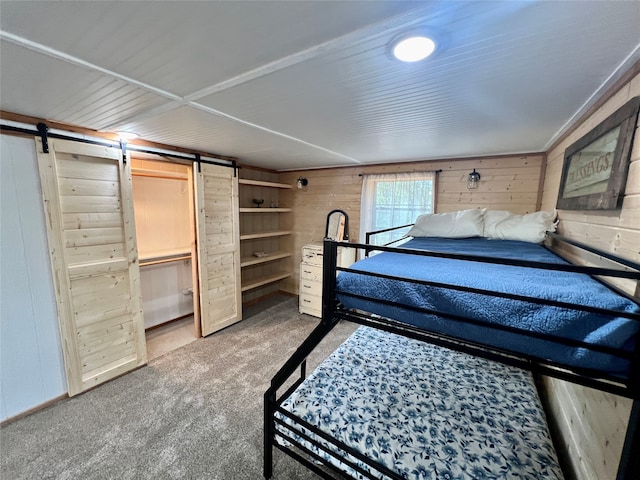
(251, 236)
(143, 172)
(259, 282)
(260, 183)
(248, 261)
(264, 210)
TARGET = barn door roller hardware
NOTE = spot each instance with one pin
(44, 131)
(199, 161)
(123, 147)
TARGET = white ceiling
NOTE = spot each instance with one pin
(305, 84)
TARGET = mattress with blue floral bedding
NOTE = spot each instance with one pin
(618, 332)
(422, 411)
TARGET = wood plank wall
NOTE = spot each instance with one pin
(592, 423)
(507, 183)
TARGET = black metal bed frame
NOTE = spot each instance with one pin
(333, 312)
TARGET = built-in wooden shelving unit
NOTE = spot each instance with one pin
(261, 233)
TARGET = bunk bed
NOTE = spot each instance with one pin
(460, 309)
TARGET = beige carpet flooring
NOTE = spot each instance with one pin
(193, 413)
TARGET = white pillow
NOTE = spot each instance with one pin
(462, 224)
(492, 219)
(532, 227)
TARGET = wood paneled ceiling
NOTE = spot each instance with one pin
(306, 84)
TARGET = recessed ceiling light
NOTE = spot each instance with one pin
(127, 135)
(412, 48)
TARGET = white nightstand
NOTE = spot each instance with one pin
(311, 275)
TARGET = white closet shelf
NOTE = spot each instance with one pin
(259, 282)
(248, 261)
(251, 236)
(260, 183)
(264, 210)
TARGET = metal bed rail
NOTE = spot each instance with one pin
(628, 386)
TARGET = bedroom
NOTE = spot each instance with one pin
(613, 231)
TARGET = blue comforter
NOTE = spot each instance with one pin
(562, 286)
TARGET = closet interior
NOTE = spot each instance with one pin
(165, 227)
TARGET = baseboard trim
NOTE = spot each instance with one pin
(35, 409)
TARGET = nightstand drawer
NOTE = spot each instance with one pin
(310, 272)
(309, 287)
(312, 255)
(311, 302)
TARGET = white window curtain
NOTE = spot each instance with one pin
(394, 199)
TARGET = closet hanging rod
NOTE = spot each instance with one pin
(160, 260)
(44, 134)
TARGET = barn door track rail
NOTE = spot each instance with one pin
(42, 130)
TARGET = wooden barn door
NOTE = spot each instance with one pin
(92, 242)
(218, 247)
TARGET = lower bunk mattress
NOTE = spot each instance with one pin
(421, 411)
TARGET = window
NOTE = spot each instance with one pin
(390, 200)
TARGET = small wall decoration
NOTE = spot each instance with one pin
(595, 167)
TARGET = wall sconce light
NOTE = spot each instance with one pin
(302, 182)
(473, 180)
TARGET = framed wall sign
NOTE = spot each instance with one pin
(595, 167)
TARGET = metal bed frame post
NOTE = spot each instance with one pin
(271, 402)
(329, 264)
(269, 408)
(300, 355)
(629, 466)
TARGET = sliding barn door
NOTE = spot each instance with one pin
(218, 247)
(92, 242)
